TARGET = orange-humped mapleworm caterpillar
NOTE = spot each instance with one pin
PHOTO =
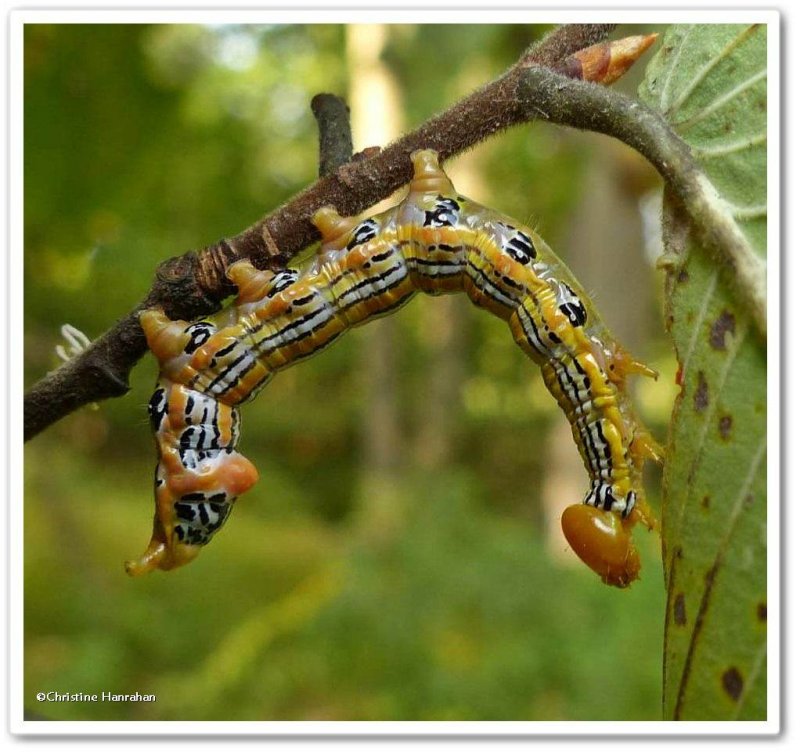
(435, 241)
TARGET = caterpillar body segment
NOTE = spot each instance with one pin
(435, 241)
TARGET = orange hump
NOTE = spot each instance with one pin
(428, 174)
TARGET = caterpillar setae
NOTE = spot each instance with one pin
(435, 241)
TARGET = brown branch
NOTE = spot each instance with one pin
(335, 137)
(194, 284)
(357, 186)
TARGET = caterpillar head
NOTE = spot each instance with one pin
(191, 506)
(602, 540)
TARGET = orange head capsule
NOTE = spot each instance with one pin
(602, 540)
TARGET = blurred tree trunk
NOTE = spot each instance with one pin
(605, 246)
(439, 408)
(376, 117)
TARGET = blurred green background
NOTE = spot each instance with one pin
(401, 557)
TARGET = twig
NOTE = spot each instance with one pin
(582, 105)
(335, 137)
(357, 186)
(194, 284)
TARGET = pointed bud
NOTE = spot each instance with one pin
(604, 63)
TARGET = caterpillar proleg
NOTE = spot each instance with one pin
(435, 241)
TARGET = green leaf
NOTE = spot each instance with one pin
(709, 81)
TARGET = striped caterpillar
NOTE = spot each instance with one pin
(435, 241)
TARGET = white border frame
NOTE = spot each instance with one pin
(361, 13)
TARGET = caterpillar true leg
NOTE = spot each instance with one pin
(435, 241)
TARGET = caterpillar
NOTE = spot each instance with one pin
(435, 241)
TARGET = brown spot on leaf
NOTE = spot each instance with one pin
(705, 503)
(725, 424)
(725, 323)
(761, 611)
(701, 393)
(679, 610)
(683, 276)
(733, 683)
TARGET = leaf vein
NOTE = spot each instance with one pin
(755, 672)
(711, 580)
(749, 212)
(723, 150)
(671, 71)
(708, 67)
(701, 436)
(685, 125)
(701, 315)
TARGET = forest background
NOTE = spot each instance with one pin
(401, 557)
